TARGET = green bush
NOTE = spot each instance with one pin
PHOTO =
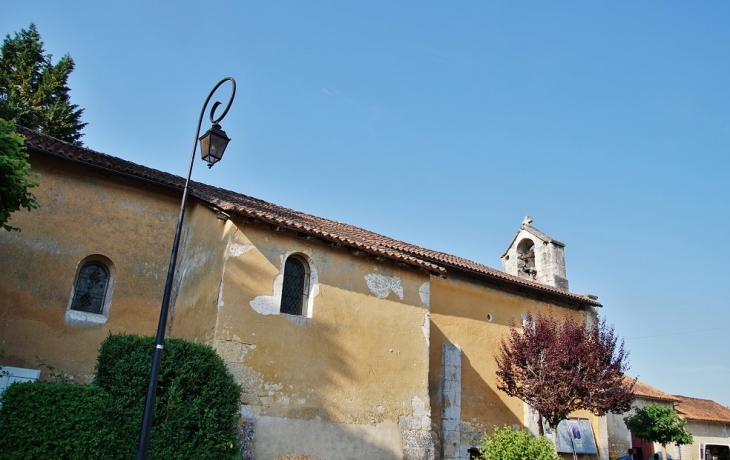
(51, 420)
(197, 399)
(508, 444)
(195, 410)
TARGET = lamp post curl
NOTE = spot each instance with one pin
(212, 146)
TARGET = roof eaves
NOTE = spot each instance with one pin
(433, 261)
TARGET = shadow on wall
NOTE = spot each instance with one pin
(331, 385)
(315, 405)
(301, 393)
(483, 406)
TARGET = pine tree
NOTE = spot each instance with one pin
(34, 92)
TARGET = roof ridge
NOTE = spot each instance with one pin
(351, 235)
(702, 409)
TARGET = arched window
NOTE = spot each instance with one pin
(295, 289)
(90, 289)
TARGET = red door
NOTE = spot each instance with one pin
(647, 448)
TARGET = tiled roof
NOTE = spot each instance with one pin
(328, 230)
(643, 390)
(701, 409)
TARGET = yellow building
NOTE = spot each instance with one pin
(348, 344)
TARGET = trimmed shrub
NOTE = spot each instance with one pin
(52, 420)
(196, 409)
(508, 444)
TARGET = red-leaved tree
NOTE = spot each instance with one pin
(558, 366)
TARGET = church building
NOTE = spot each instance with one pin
(347, 344)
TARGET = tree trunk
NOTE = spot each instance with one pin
(541, 429)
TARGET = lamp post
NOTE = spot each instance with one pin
(212, 145)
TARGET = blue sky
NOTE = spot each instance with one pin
(444, 125)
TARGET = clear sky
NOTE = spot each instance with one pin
(445, 123)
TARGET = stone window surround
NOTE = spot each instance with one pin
(307, 301)
(82, 318)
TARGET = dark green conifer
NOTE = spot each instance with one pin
(34, 92)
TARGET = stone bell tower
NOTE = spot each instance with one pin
(535, 256)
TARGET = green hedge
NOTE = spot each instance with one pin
(197, 399)
(196, 409)
(53, 420)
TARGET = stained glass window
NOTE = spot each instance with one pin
(293, 291)
(91, 287)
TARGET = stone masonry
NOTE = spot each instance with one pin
(451, 402)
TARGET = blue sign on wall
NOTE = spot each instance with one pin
(576, 434)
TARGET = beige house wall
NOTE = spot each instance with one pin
(619, 437)
(704, 433)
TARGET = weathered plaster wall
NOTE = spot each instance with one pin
(277, 435)
(356, 363)
(475, 318)
(619, 436)
(207, 244)
(703, 433)
(83, 212)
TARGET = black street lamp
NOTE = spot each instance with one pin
(212, 145)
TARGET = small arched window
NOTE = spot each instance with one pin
(295, 289)
(90, 289)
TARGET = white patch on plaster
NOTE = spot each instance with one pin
(236, 249)
(418, 407)
(195, 261)
(220, 292)
(425, 293)
(245, 348)
(269, 304)
(426, 328)
(233, 249)
(382, 285)
(273, 386)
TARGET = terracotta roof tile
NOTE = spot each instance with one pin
(701, 409)
(337, 232)
(643, 390)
